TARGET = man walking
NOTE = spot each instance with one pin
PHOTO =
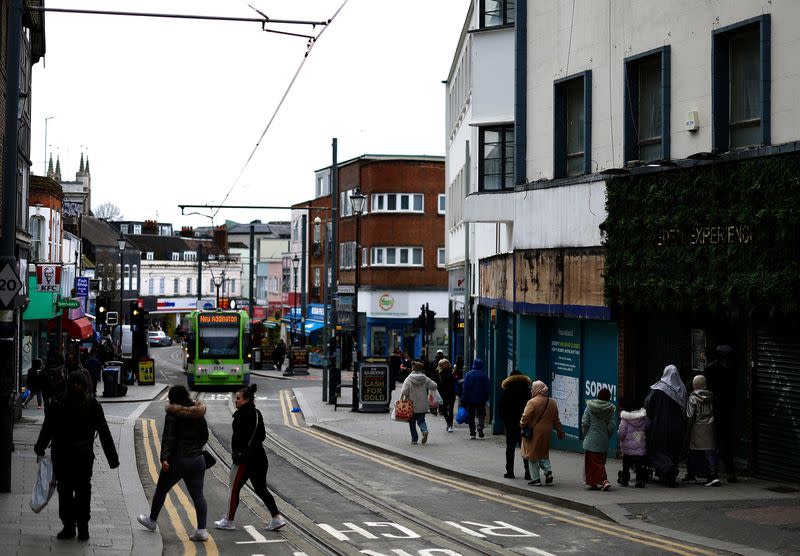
(474, 395)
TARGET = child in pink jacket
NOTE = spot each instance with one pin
(632, 434)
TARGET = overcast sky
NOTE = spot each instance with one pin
(168, 111)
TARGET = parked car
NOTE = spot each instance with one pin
(158, 338)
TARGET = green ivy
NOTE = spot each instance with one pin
(726, 278)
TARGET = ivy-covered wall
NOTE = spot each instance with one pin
(720, 238)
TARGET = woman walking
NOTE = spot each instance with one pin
(516, 391)
(597, 425)
(249, 459)
(185, 434)
(70, 424)
(666, 408)
(416, 388)
(447, 389)
(541, 415)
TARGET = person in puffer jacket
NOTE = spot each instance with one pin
(416, 388)
(702, 460)
(474, 395)
(632, 434)
(597, 425)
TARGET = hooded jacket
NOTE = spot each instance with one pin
(415, 388)
(249, 433)
(597, 425)
(447, 384)
(632, 432)
(516, 391)
(700, 412)
(185, 431)
(475, 389)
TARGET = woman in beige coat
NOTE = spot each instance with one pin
(541, 415)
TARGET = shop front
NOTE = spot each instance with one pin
(542, 312)
(40, 310)
(390, 322)
(719, 268)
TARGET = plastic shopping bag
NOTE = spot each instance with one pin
(45, 485)
(462, 415)
(434, 399)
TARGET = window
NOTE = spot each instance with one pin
(347, 255)
(176, 286)
(397, 202)
(317, 276)
(740, 93)
(233, 285)
(189, 256)
(497, 12)
(126, 276)
(647, 106)
(149, 256)
(137, 229)
(396, 256)
(161, 285)
(123, 228)
(364, 256)
(36, 227)
(134, 283)
(151, 285)
(188, 286)
(442, 203)
(496, 165)
(572, 137)
(176, 256)
(440, 257)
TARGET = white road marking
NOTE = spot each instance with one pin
(538, 551)
(258, 538)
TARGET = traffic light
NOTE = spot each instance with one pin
(430, 324)
(101, 309)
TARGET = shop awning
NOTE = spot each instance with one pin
(78, 329)
(311, 326)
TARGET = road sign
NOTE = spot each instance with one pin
(10, 284)
(68, 304)
(111, 317)
(82, 286)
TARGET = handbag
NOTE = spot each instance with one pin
(241, 457)
(209, 459)
(528, 431)
(403, 410)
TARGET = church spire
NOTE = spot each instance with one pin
(87, 165)
(80, 168)
(58, 169)
(50, 173)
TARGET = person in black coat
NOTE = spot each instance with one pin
(666, 409)
(447, 390)
(279, 354)
(33, 382)
(69, 428)
(249, 459)
(185, 434)
(516, 391)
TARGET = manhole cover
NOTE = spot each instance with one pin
(783, 489)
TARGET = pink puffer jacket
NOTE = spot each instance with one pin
(632, 432)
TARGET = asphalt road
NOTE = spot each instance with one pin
(340, 498)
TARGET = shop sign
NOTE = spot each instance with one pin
(82, 286)
(68, 304)
(457, 284)
(374, 386)
(564, 361)
(299, 358)
(147, 374)
(48, 278)
(389, 304)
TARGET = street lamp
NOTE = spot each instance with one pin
(121, 241)
(218, 284)
(358, 200)
(323, 244)
(295, 311)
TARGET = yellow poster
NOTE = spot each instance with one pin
(147, 375)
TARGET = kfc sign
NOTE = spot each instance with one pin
(48, 277)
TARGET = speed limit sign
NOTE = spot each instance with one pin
(10, 284)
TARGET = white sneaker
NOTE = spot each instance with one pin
(199, 535)
(449, 429)
(225, 524)
(276, 523)
(146, 521)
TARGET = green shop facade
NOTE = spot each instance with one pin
(707, 254)
(542, 312)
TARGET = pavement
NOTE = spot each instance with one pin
(751, 517)
(117, 494)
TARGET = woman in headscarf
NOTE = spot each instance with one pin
(541, 415)
(666, 407)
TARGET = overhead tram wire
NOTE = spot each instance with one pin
(311, 43)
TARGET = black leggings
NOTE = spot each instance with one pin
(257, 474)
(193, 471)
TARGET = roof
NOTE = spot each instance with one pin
(98, 232)
(388, 157)
(162, 247)
(272, 230)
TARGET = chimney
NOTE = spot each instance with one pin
(150, 227)
(187, 231)
(221, 238)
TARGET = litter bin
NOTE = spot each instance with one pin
(112, 379)
(256, 359)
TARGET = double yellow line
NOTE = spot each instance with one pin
(152, 447)
(565, 516)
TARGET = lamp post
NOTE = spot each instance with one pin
(121, 241)
(357, 200)
(218, 284)
(295, 317)
(323, 244)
